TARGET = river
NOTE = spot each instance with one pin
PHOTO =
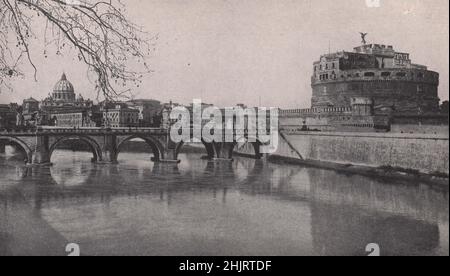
(200, 208)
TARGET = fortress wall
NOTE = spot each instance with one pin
(403, 94)
(426, 153)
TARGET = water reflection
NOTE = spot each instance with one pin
(248, 207)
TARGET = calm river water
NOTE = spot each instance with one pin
(247, 207)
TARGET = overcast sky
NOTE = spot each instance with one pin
(247, 51)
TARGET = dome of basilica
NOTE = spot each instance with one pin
(63, 90)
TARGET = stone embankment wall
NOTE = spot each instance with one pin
(421, 152)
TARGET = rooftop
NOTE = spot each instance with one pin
(31, 99)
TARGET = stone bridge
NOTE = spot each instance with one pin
(106, 143)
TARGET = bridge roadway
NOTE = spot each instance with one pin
(105, 143)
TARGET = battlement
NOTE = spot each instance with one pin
(398, 74)
(376, 49)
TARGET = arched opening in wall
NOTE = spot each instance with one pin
(73, 149)
(369, 74)
(14, 150)
(138, 151)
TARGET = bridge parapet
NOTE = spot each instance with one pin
(23, 131)
(101, 131)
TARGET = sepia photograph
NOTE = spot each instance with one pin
(224, 133)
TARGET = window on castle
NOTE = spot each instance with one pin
(385, 74)
(401, 74)
(369, 74)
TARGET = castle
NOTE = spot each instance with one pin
(373, 88)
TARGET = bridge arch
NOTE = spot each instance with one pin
(93, 145)
(209, 149)
(246, 140)
(213, 148)
(155, 145)
(25, 148)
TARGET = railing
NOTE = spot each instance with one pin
(78, 130)
(315, 111)
(306, 128)
(17, 130)
(100, 130)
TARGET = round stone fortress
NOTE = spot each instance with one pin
(379, 74)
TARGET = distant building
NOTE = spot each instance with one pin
(30, 105)
(30, 109)
(74, 117)
(7, 116)
(165, 112)
(149, 111)
(117, 114)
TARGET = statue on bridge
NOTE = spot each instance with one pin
(20, 120)
(363, 38)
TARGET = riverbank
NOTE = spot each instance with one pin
(384, 173)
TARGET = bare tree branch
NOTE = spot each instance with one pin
(105, 40)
